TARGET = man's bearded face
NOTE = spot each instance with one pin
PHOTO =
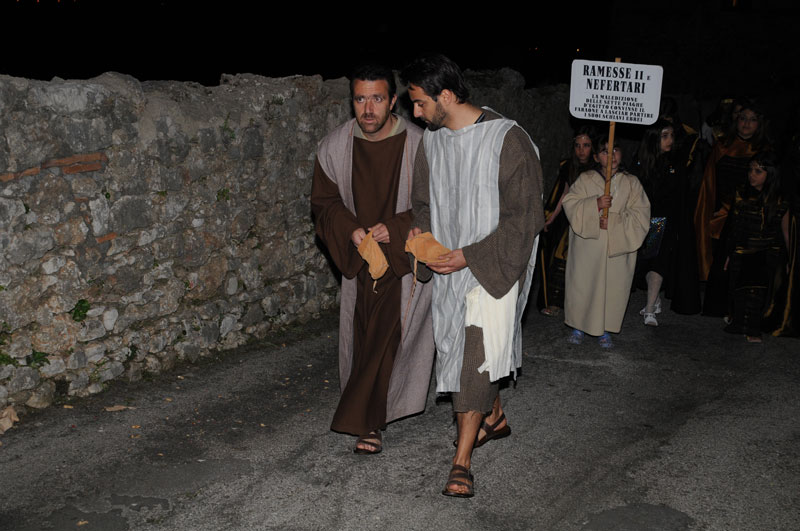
(426, 108)
(373, 107)
(437, 120)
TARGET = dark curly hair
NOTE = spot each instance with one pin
(435, 73)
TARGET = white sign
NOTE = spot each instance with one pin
(615, 92)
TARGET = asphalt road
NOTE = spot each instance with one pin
(680, 427)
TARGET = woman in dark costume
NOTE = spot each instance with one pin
(756, 238)
(726, 170)
(554, 242)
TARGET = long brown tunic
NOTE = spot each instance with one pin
(376, 322)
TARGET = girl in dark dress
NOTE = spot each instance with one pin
(554, 244)
(756, 239)
(662, 180)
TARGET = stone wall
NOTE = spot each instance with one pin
(145, 223)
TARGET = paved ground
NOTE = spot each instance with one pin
(678, 427)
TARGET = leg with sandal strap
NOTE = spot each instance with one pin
(478, 395)
(494, 426)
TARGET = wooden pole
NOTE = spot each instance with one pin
(610, 148)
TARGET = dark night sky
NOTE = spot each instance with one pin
(713, 46)
(198, 41)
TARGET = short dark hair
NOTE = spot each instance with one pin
(434, 73)
(602, 140)
(372, 71)
(597, 145)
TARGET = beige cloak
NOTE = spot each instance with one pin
(601, 262)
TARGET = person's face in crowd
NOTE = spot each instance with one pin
(373, 107)
(757, 176)
(746, 124)
(602, 158)
(425, 108)
(667, 139)
(583, 148)
(735, 111)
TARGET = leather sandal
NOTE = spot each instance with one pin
(367, 440)
(460, 475)
(490, 432)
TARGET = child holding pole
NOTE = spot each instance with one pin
(602, 245)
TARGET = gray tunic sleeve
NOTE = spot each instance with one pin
(500, 259)
(420, 191)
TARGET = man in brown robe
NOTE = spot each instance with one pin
(478, 189)
(361, 184)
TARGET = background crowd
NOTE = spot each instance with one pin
(724, 207)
